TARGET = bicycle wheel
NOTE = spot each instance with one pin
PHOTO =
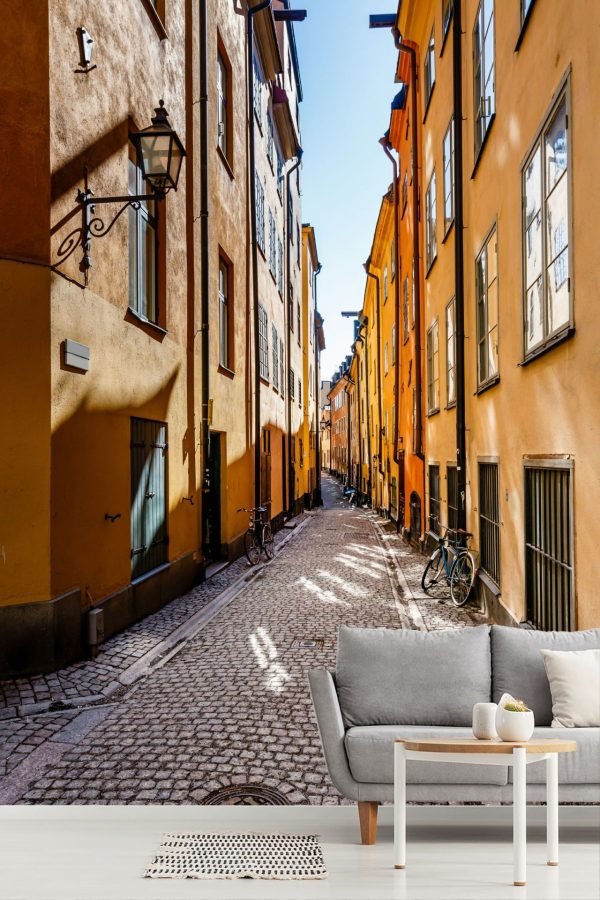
(268, 542)
(462, 576)
(432, 571)
(252, 547)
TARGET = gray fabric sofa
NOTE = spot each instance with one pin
(391, 684)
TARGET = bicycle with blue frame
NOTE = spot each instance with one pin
(453, 561)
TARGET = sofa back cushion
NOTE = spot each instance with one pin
(518, 666)
(389, 677)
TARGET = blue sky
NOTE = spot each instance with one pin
(348, 81)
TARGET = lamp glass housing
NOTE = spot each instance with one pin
(160, 153)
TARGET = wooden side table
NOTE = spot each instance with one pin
(495, 753)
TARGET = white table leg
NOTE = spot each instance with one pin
(552, 808)
(399, 806)
(520, 815)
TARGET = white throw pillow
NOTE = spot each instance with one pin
(574, 677)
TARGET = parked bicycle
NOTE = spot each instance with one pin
(259, 536)
(453, 561)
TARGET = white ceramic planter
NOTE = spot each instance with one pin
(514, 726)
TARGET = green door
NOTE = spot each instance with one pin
(149, 539)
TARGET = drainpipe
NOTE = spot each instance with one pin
(318, 497)
(348, 437)
(358, 431)
(204, 278)
(461, 457)
(378, 359)
(395, 199)
(252, 11)
(289, 316)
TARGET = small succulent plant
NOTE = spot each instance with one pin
(516, 706)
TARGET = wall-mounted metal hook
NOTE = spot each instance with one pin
(189, 500)
(85, 41)
(110, 518)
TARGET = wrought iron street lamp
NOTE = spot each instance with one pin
(160, 154)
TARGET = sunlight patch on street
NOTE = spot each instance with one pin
(323, 594)
(266, 656)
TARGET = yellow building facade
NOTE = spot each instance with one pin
(132, 395)
(504, 277)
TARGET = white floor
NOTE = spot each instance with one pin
(99, 853)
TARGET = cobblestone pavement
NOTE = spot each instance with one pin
(229, 713)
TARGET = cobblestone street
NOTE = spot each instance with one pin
(223, 713)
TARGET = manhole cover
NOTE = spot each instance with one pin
(245, 795)
(308, 644)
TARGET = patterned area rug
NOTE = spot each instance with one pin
(246, 855)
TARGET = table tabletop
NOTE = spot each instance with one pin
(474, 745)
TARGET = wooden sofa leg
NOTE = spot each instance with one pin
(367, 814)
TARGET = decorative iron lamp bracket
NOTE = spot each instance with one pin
(160, 154)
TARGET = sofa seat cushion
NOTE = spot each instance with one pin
(518, 666)
(370, 751)
(417, 678)
(580, 767)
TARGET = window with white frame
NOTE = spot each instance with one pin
(394, 345)
(404, 192)
(292, 384)
(280, 266)
(270, 141)
(260, 213)
(263, 342)
(223, 139)
(272, 244)
(385, 283)
(429, 68)
(393, 260)
(279, 172)
(450, 354)
(446, 16)
(385, 359)
(546, 232)
(433, 368)
(143, 250)
(525, 5)
(275, 351)
(258, 103)
(486, 291)
(224, 315)
(484, 90)
(430, 222)
(281, 369)
(448, 148)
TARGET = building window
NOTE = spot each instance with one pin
(452, 499)
(298, 247)
(149, 480)
(405, 310)
(446, 16)
(279, 172)
(385, 359)
(489, 520)
(394, 345)
(143, 251)
(299, 391)
(281, 369)
(393, 260)
(484, 91)
(292, 384)
(394, 498)
(549, 547)
(385, 283)
(299, 322)
(429, 69)
(225, 329)
(291, 216)
(404, 192)
(450, 354)
(260, 213)
(223, 107)
(434, 499)
(257, 92)
(430, 223)
(270, 141)
(433, 369)
(448, 148)
(263, 342)
(486, 290)
(275, 350)
(272, 245)
(546, 232)
(280, 266)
